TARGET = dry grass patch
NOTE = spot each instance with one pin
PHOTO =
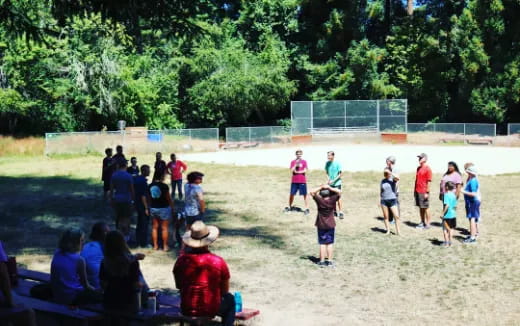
(379, 279)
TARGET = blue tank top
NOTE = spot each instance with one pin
(64, 277)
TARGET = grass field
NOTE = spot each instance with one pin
(390, 280)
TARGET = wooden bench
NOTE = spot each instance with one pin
(479, 141)
(343, 130)
(451, 140)
(169, 306)
(59, 311)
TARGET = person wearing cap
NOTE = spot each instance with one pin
(472, 200)
(298, 169)
(390, 166)
(326, 198)
(423, 179)
(389, 200)
(202, 277)
(122, 196)
(334, 174)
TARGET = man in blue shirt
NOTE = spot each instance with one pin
(122, 195)
(334, 174)
(141, 206)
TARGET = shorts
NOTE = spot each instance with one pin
(123, 210)
(325, 236)
(473, 210)
(337, 187)
(192, 219)
(451, 222)
(389, 202)
(299, 187)
(421, 201)
(106, 185)
(163, 213)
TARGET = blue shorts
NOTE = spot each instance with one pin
(389, 202)
(473, 209)
(325, 236)
(299, 187)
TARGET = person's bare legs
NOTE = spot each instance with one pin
(422, 211)
(330, 251)
(291, 200)
(395, 211)
(306, 201)
(164, 234)
(472, 227)
(323, 252)
(155, 227)
(427, 216)
(385, 218)
(445, 232)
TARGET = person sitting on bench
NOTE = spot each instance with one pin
(10, 312)
(93, 252)
(203, 277)
(69, 281)
(120, 275)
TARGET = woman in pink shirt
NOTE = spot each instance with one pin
(453, 175)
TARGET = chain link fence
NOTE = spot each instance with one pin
(513, 128)
(465, 129)
(149, 141)
(345, 116)
(268, 134)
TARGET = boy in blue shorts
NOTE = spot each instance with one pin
(472, 200)
(449, 214)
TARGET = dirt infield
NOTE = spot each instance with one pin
(490, 160)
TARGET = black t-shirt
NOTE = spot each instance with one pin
(133, 171)
(159, 193)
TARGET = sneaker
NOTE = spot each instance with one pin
(420, 226)
(287, 209)
(341, 215)
(335, 214)
(330, 263)
(306, 212)
(322, 264)
(427, 227)
(470, 240)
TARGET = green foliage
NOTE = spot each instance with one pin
(79, 65)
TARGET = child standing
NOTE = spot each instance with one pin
(472, 200)
(389, 200)
(449, 214)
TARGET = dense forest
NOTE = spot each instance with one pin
(83, 65)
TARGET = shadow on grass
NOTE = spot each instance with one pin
(436, 242)
(376, 229)
(459, 238)
(36, 210)
(437, 224)
(313, 259)
(462, 231)
(411, 224)
(379, 218)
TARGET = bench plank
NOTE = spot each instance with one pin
(34, 275)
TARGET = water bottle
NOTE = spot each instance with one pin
(152, 301)
(238, 302)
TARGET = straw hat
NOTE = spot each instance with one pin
(200, 235)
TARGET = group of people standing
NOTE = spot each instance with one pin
(128, 190)
(327, 198)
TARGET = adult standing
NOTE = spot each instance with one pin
(203, 277)
(472, 199)
(142, 199)
(298, 169)
(133, 169)
(423, 179)
(390, 166)
(175, 169)
(159, 165)
(107, 171)
(122, 194)
(161, 209)
(453, 175)
(119, 154)
(334, 174)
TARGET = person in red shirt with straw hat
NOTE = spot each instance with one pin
(203, 277)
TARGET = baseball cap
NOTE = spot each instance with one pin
(391, 158)
(422, 155)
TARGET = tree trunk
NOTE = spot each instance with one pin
(409, 7)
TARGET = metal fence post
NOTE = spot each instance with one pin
(495, 125)
(508, 129)
(406, 116)
(464, 129)
(249, 133)
(189, 133)
(377, 116)
(271, 133)
(312, 116)
(345, 113)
